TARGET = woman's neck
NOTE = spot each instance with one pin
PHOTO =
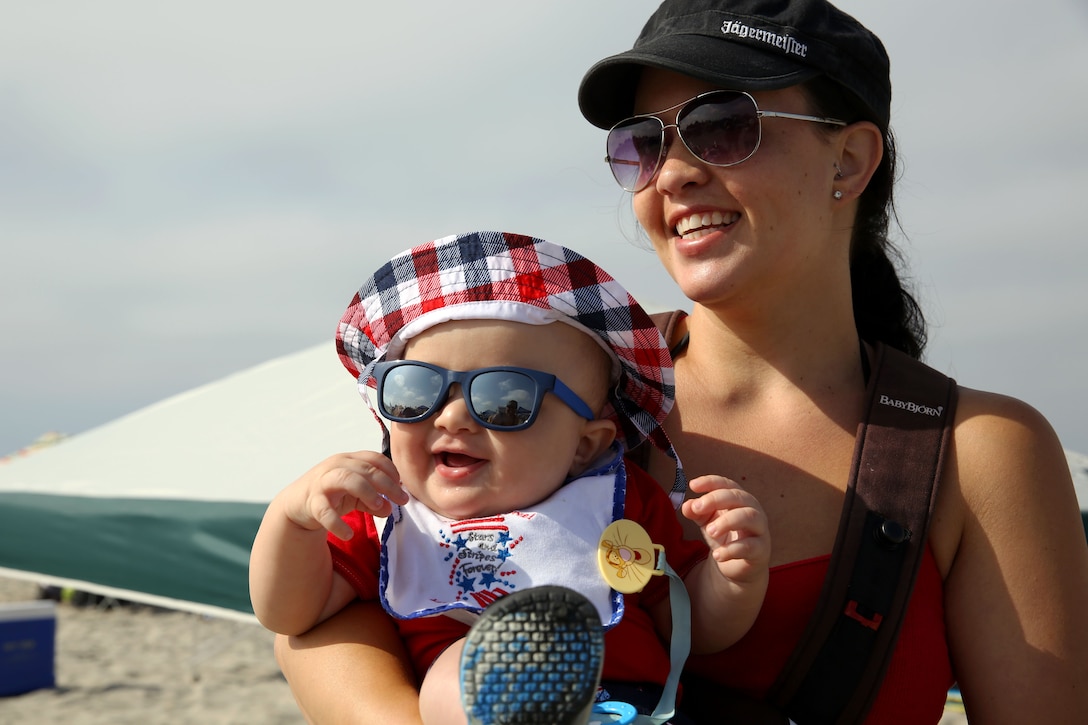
(740, 358)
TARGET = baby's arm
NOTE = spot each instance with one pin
(727, 588)
(291, 581)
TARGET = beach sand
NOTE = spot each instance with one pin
(129, 665)
(144, 666)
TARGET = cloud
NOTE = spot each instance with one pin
(186, 190)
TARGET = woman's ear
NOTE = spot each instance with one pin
(597, 436)
(861, 148)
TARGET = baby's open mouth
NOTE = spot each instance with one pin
(457, 460)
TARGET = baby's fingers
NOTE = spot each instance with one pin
(730, 523)
(377, 482)
(701, 510)
(705, 484)
(325, 512)
(743, 559)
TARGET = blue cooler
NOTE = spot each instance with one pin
(27, 645)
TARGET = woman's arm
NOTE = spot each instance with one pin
(1016, 592)
(351, 668)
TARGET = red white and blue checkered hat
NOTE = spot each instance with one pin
(495, 275)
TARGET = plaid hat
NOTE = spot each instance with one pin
(744, 45)
(495, 275)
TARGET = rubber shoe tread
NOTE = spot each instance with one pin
(533, 658)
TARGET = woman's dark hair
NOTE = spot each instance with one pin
(884, 309)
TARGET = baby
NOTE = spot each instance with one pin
(513, 372)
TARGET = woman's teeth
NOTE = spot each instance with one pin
(699, 225)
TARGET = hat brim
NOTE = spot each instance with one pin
(607, 92)
(495, 275)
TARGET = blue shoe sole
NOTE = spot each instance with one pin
(533, 658)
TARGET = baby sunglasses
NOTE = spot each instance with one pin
(721, 128)
(498, 398)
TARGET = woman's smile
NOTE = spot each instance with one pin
(699, 224)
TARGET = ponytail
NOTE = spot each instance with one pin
(884, 309)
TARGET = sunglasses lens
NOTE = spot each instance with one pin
(503, 398)
(409, 391)
(721, 129)
(634, 150)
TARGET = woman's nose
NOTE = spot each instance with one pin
(679, 166)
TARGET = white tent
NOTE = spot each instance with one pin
(1078, 465)
(161, 505)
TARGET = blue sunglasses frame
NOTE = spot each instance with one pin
(542, 383)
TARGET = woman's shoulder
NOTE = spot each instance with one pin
(1004, 468)
(1002, 439)
(1013, 547)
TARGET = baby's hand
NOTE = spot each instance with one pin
(363, 480)
(734, 526)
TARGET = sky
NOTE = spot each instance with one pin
(191, 189)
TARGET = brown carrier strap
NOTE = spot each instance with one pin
(835, 672)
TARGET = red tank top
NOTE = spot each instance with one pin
(920, 673)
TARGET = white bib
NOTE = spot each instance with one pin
(434, 565)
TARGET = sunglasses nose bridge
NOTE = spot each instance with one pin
(682, 109)
(453, 413)
(688, 156)
(668, 140)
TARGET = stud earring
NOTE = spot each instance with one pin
(837, 194)
(838, 172)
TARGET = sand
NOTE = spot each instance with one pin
(139, 665)
(132, 665)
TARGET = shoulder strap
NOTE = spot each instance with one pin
(666, 322)
(835, 672)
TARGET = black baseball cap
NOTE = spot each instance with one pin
(744, 45)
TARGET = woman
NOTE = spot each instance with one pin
(775, 227)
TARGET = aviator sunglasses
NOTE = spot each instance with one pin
(721, 128)
(498, 398)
